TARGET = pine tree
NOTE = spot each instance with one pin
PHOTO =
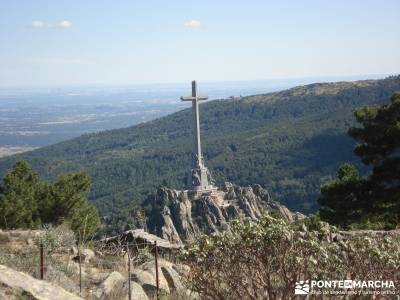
(339, 199)
(69, 203)
(379, 148)
(28, 202)
(18, 197)
(352, 199)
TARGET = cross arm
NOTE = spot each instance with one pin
(191, 98)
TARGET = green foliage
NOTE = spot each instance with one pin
(84, 220)
(373, 201)
(28, 202)
(56, 242)
(289, 142)
(264, 259)
(379, 147)
(339, 198)
(69, 196)
(25, 260)
(123, 217)
(54, 238)
(18, 197)
(48, 240)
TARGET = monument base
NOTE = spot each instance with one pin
(200, 180)
(199, 193)
(200, 189)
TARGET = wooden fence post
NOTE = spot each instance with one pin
(80, 270)
(129, 272)
(156, 262)
(41, 262)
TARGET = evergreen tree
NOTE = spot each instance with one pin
(379, 148)
(340, 198)
(351, 199)
(68, 203)
(19, 197)
(28, 202)
(69, 192)
(84, 220)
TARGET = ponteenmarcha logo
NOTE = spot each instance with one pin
(305, 287)
(302, 288)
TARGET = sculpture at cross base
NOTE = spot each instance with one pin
(199, 178)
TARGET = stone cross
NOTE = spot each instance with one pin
(199, 179)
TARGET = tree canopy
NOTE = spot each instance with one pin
(376, 198)
(19, 196)
(28, 202)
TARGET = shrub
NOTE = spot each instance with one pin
(54, 238)
(142, 256)
(25, 261)
(264, 259)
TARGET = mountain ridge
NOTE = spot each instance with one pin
(289, 141)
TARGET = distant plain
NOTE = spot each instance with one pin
(36, 117)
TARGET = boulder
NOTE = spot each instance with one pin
(36, 289)
(168, 276)
(95, 275)
(140, 239)
(4, 237)
(59, 278)
(147, 280)
(86, 255)
(113, 281)
(172, 277)
(137, 291)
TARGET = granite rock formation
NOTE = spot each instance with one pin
(179, 216)
(18, 285)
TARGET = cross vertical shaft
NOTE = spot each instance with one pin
(196, 115)
(199, 178)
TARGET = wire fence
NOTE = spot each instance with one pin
(41, 261)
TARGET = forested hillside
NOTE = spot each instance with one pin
(289, 142)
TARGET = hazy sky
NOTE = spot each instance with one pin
(59, 42)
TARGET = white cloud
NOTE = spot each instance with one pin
(64, 24)
(58, 24)
(38, 24)
(192, 24)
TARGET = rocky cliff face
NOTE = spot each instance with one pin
(180, 215)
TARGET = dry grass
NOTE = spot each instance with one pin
(109, 263)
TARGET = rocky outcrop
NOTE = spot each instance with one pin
(169, 278)
(179, 216)
(113, 281)
(104, 276)
(28, 286)
(137, 291)
(146, 279)
(86, 255)
(143, 284)
(137, 239)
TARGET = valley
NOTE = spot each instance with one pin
(289, 142)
